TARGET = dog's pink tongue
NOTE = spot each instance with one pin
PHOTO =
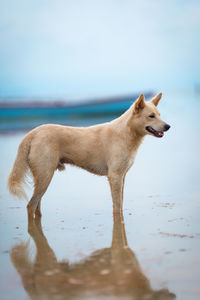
(160, 133)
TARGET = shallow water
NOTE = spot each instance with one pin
(81, 252)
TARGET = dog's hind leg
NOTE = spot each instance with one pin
(40, 188)
(42, 171)
(38, 209)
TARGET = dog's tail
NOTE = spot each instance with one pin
(16, 178)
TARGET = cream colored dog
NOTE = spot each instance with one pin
(107, 149)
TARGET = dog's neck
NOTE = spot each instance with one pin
(134, 139)
(125, 127)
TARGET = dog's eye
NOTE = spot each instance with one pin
(152, 116)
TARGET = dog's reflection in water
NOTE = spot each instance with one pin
(109, 273)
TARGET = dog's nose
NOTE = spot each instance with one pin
(167, 127)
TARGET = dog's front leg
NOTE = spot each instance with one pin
(117, 185)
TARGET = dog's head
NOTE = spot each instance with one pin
(146, 117)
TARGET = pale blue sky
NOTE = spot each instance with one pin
(84, 48)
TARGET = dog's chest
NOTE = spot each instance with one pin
(131, 159)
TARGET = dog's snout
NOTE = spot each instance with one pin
(166, 127)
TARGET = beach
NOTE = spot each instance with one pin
(81, 252)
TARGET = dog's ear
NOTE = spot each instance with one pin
(156, 99)
(139, 104)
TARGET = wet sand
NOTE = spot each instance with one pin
(81, 252)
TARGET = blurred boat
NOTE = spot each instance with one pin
(26, 114)
(96, 107)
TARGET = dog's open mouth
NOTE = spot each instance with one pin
(155, 132)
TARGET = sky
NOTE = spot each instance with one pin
(86, 48)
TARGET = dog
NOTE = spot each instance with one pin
(107, 149)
